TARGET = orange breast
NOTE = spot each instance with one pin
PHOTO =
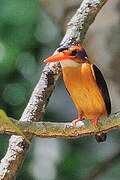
(84, 91)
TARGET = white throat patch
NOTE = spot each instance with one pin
(69, 63)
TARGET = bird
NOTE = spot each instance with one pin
(84, 83)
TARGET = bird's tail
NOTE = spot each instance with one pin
(101, 137)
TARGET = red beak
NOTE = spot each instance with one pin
(57, 57)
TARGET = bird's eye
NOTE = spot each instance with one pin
(82, 55)
(74, 52)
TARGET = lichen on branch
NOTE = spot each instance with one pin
(63, 130)
(35, 109)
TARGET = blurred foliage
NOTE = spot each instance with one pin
(27, 35)
(22, 36)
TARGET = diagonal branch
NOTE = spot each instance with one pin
(63, 130)
(35, 109)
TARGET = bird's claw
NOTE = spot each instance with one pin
(77, 124)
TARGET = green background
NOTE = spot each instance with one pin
(27, 35)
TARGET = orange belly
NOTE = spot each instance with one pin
(81, 84)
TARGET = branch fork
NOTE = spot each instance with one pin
(35, 109)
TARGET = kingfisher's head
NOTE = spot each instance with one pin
(69, 54)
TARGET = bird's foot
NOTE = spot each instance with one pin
(78, 122)
(95, 121)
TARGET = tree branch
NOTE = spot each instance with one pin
(35, 109)
(64, 130)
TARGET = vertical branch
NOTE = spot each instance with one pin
(80, 22)
(35, 109)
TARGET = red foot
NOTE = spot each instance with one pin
(74, 122)
(94, 121)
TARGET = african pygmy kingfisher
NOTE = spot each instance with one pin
(85, 84)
